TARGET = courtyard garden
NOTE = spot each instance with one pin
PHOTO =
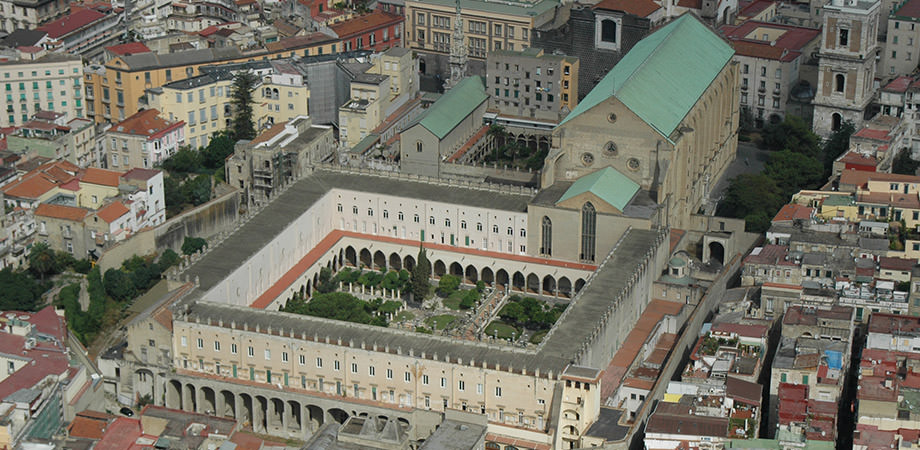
(525, 318)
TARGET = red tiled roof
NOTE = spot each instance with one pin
(744, 391)
(469, 144)
(852, 177)
(641, 8)
(101, 177)
(46, 358)
(753, 8)
(268, 134)
(753, 331)
(874, 134)
(364, 24)
(910, 8)
(86, 427)
(146, 123)
(793, 211)
(112, 211)
(892, 263)
(31, 186)
(856, 158)
(692, 4)
(128, 48)
(140, 174)
(120, 435)
(785, 48)
(295, 42)
(899, 84)
(78, 18)
(61, 212)
(889, 323)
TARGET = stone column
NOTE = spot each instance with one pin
(220, 405)
(285, 412)
(258, 414)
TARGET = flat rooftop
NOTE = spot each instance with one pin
(262, 228)
(556, 352)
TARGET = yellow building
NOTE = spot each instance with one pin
(829, 205)
(488, 26)
(117, 89)
(204, 102)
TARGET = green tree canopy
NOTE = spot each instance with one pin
(904, 164)
(752, 197)
(791, 134)
(838, 143)
(448, 284)
(19, 291)
(192, 244)
(42, 259)
(793, 172)
(219, 148)
(242, 126)
(420, 282)
(197, 190)
(119, 285)
(184, 161)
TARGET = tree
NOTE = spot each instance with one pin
(241, 97)
(753, 197)
(904, 164)
(168, 259)
(793, 172)
(197, 190)
(192, 244)
(420, 281)
(42, 259)
(448, 284)
(838, 143)
(118, 285)
(172, 194)
(19, 291)
(217, 151)
(183, 161)
(791, 134)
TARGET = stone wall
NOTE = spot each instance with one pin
(215, 216)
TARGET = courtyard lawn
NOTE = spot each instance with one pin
(453, 300)
(440, 322)
(404, 316)
(501, 330)
(538, 336)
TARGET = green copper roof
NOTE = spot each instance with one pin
(454, 106)
(608, 183)
(664, 75)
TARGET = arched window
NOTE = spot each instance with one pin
(836, 121)
(608, 30)
(462, 224)
(839, 81)
(546, 242)
(588, 228)
(431, 220)
(401, 216)
(418, 146)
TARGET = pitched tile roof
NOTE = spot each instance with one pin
(128, 48)
(364, 24)
(78, 18)
(910, 8)
(112, 211)
(661, 78)
(899, 84)
(87, 427)
(608, 184)
(793, 211)
(788, 46)
(140, 174)
(146, 123)
(101, 176)
(61, 212)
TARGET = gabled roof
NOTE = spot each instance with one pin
(444, 115)
(146, 123)
(101, 176)
(608, 184)
(664, 74)
(77, 19)
(140, 174)
(112, 211)
(61, 212)
(128, 48)
(641, 8)
(23, 38)
(364, 24)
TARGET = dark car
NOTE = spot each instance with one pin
(126, 411)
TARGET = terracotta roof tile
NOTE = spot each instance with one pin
(86, 427)
(793, 211)
(78, 18)
(61, 212)
(641, 8)
(128, 48)
(268, 134)
(140, 174)
(364, 24)
(112, 211)
(145, 123)
(101, 177)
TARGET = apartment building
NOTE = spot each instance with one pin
(532, 84)
(143, 140)
(278, 156)
(902, 48)
(48, 135)
(28, 14)
(771, 56)
(375, 31)
(85, 31)
(487, 26)
(40, 81)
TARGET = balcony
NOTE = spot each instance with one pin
(744, 87)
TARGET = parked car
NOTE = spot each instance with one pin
(126, 411)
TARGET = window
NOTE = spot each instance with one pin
(443, 382)
(510, 231)
(425, 380)
(839, 81)
(184, 341)
(608, 31)
(400, 216)
(461, 386)
(495, 228)
(389, 374)
(588, 229)
(370, 212)
(339, 207)
(407, 377)
(200, 343)
(302, 360)
(319, 363)
(462, 224)
(523, 232)
(843, 37)
(216, 346)
(232, 349)
(336, 365)
(354, 367)
(354, 210)
(431, 220)
(546, 241)
(251, 352)
(386, 214)
(498, 391)
(284, 356)
(370, 370)
(415, 218)
(268, 355)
